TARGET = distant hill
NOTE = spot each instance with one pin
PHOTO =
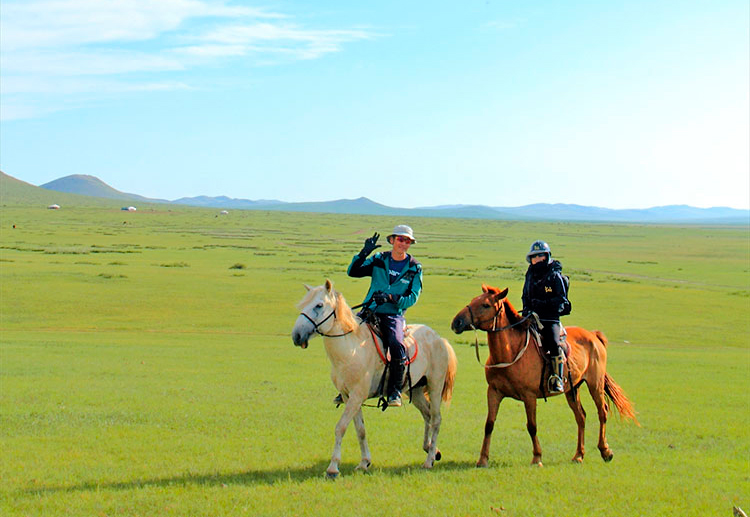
(95, 189)
(672, 213)
(225, 202)
(92, 186)
(14, 192)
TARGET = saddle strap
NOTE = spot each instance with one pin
(382, 354)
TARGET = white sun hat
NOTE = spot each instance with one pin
(404, 231)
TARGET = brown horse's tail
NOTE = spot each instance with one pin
(620, 400)
(450, 374)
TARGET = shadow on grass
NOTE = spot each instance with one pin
(251, 477)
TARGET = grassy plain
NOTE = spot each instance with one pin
(146, 368)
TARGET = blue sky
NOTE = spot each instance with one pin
(614, 104)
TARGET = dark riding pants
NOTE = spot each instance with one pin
(392, 327)
(551, 337)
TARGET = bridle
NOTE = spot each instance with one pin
(475, 327)
(501, 329)
(332, 315)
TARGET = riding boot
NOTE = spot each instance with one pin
(395, 381)
(555, 382)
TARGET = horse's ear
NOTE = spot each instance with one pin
(491, 290)
(485, 288)
(329, 285)
(307, 287)
(503, 294)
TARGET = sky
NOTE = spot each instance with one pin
(617, 104)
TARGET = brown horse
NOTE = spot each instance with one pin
(514, 369)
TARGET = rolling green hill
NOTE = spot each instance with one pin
(14, 192)
(92, 186)
(17, 193)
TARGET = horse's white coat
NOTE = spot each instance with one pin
(356, 368)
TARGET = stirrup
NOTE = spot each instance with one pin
(338, 400)
(555, 384)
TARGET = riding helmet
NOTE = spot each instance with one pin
(537, 248)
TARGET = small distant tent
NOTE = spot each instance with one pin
(129, 208)
(223, 212)
(54, 207)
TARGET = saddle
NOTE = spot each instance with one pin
(385, 355)
(540, 349)
(368, 317)
(547, 365)
(410, 343)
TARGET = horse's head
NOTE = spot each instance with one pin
(322, 309)
(316, 312)
(485, 312)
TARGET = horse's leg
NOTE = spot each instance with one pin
(529, 402)
(597, 393)
(423, 405)
(433, 454)
(359, 425)
(353, 405)
(575, 404)
(494, 398)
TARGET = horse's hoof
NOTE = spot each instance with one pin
(578, 459)
(608, 455)
(482, 464)
(536, 463)
(332, 475)
(363, 467)
(428, 464)
(438, 456)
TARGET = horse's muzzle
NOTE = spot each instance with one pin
(458, 325)
(299, 340)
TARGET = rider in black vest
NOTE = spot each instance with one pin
(545, 293)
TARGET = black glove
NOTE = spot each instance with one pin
(379, 297)
(370, 245)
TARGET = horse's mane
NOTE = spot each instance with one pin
(344, 314)
(511, 312)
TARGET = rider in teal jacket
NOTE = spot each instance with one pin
(395, 286)
(404, 290)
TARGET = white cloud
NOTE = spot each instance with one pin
(44, 42)
(271, 40)
(70, 23)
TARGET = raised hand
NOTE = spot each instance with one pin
(370, 245)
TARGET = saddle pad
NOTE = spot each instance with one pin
(410, 343)
(563, 342)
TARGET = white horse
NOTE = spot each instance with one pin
(357, 367)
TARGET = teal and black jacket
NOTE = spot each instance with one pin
(408, 285)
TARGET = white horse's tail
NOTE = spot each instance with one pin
(450, 373)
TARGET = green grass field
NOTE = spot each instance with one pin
(147, 369)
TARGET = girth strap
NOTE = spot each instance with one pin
(382, 353)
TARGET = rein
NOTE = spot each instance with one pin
(501, 329)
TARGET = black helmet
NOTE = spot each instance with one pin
(537, 248)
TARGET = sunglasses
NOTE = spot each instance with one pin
(401, 238)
